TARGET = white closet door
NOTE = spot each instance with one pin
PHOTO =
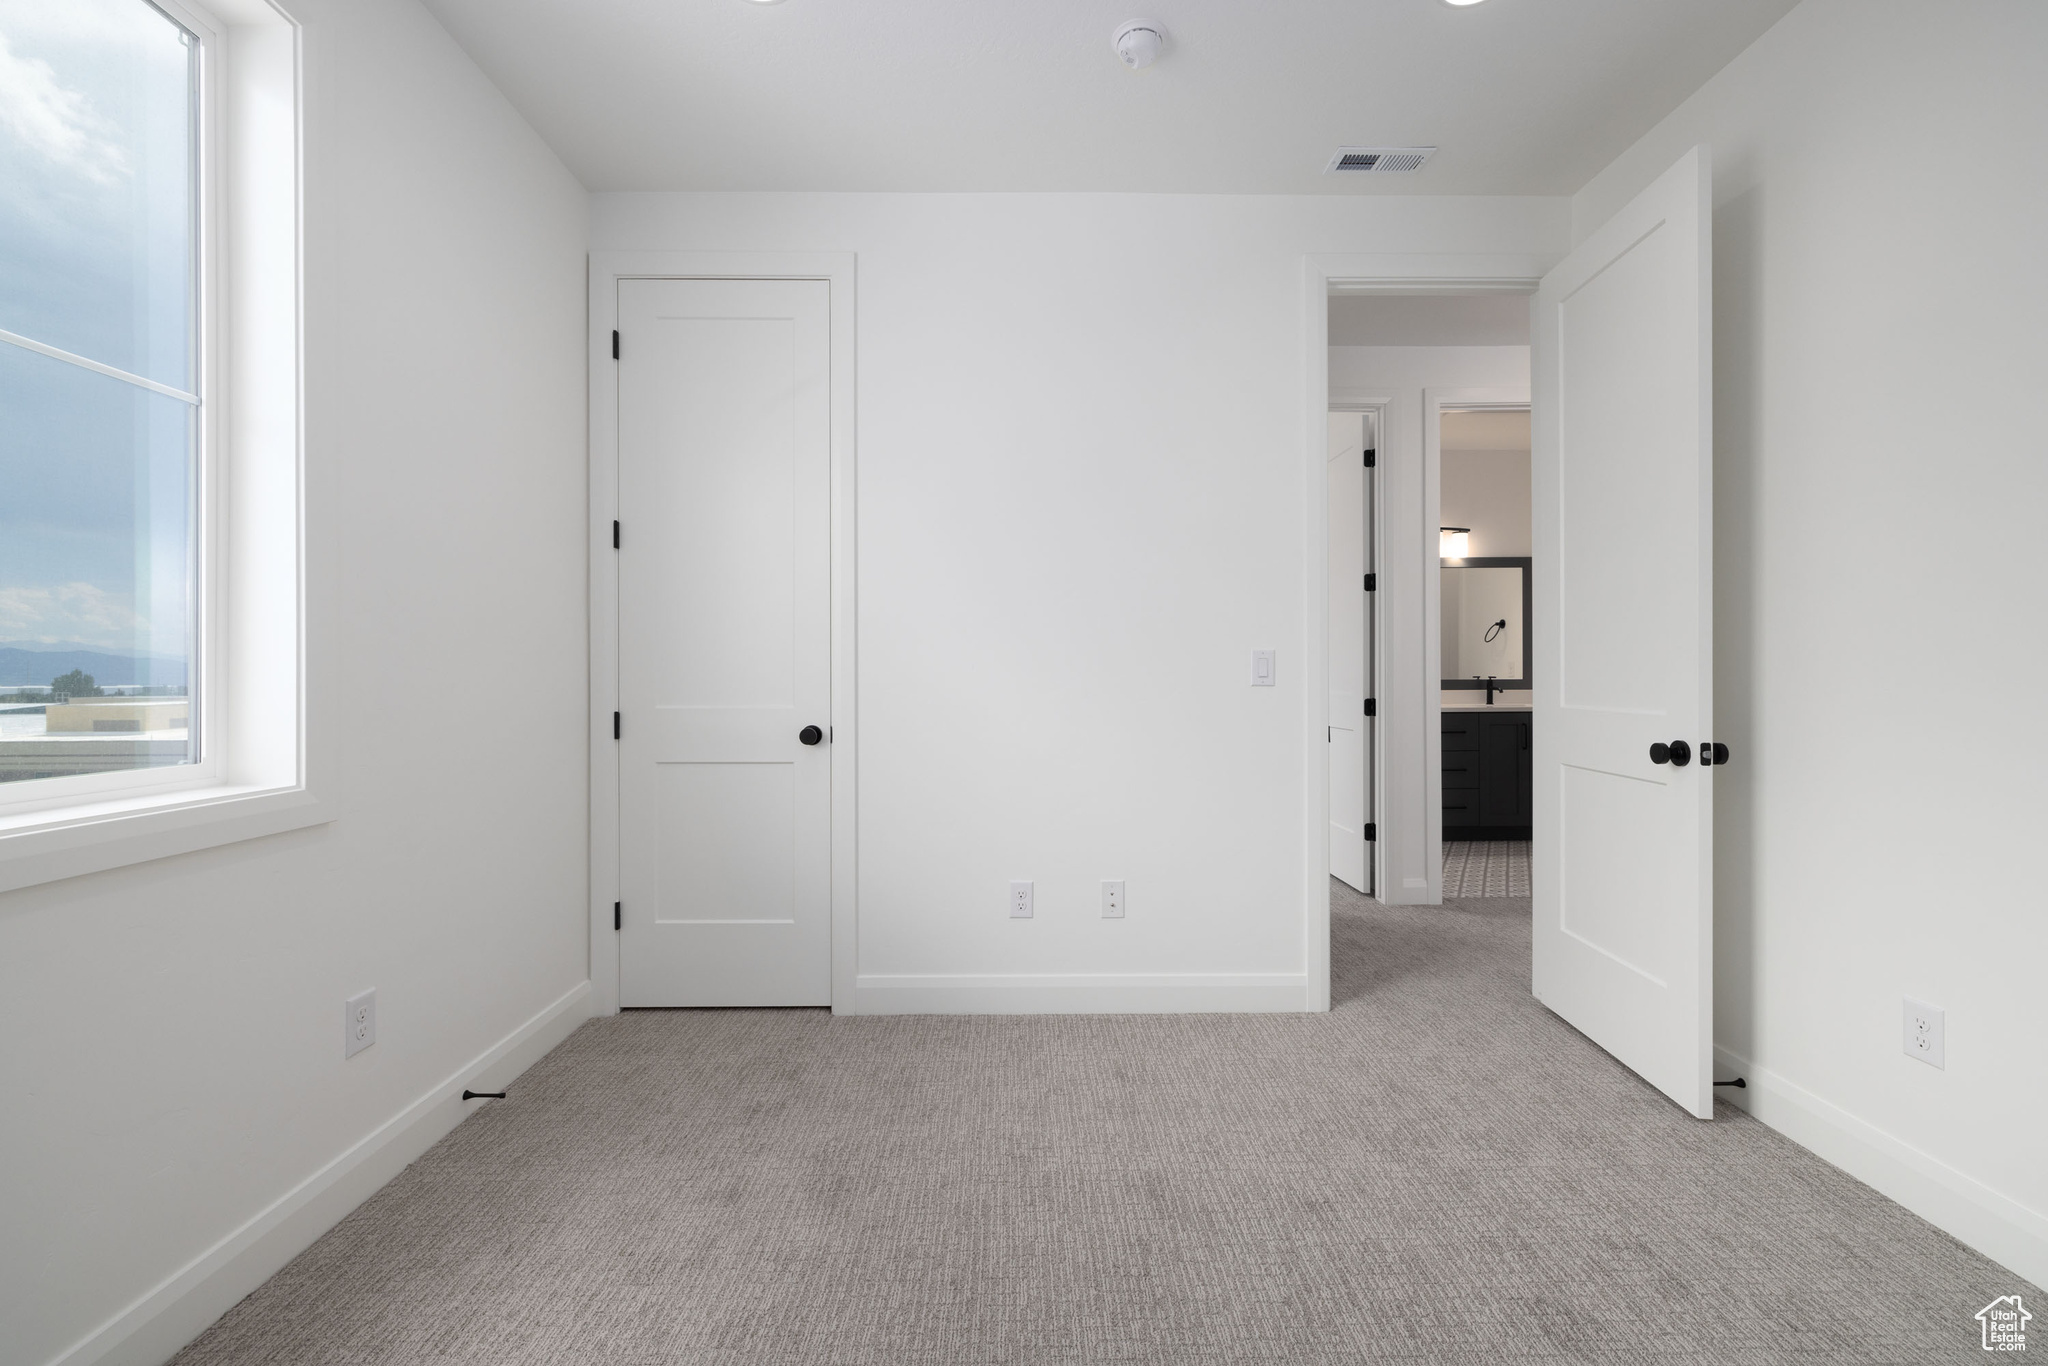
(1624, 891)
(724, 643)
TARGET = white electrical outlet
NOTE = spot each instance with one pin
(1020, 901)
(1923, 1033)
(1112, 901)
(359, 1023)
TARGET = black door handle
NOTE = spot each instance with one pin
(810, 735)
(1712, 753)
(1677, 754)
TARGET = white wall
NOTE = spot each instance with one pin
(1081, 501)
(1429, 320)
(1488, 491)
(172, 1060)
(1410, 813)
(1880, 182)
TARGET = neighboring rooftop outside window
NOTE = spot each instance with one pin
(99, 387)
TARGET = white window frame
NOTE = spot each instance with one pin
(44, 794)
(253, 774)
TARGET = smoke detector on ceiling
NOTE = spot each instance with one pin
(1138, 42)
(1378, 160)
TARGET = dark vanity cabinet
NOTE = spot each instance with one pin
(1486, 774)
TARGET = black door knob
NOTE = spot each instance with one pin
(1720, 753)
(1677, 754)
(810, 735)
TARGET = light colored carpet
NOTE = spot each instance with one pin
(1483, 868)
(1436, 1171)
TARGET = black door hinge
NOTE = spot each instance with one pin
(618, 916)
(1372, 457)
(615, 343)
(615, 535)
(1372, 832)
(1372, 583)
(615, 725)
(1372, 706)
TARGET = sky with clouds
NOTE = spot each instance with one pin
(95, 259)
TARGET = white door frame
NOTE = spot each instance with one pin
(1322, 276)
(607, 268)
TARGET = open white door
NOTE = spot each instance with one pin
(1350, 532)
(1622, 361)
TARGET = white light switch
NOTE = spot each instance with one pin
(1262, 668)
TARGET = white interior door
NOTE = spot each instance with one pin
(724, 643)
(1347, 652)
(1623, 447)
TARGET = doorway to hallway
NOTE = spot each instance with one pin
(1617, 378)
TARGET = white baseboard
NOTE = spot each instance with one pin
(1994, 1224)
(1077, 993)
(152, 1329)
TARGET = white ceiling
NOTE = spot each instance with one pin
(1429, 320)
(1251, 96)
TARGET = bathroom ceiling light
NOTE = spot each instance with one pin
(1453, 542)
(1138, 42)
(1461, 3)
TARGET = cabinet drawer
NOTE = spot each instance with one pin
(1461, 807)
(1486, 773)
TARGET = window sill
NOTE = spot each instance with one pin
(48, 846)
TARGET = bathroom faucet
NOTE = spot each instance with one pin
(1491, 687)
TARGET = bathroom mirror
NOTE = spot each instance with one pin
(1485, 604)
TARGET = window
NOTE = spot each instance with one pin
(154, 697)
(102, 393)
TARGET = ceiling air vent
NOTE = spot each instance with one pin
(1378, 160)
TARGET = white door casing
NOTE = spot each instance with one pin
(1623, 491)
(1347, 651)
(725, 604)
